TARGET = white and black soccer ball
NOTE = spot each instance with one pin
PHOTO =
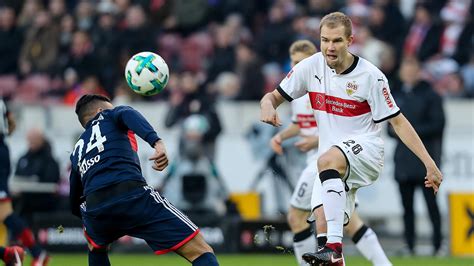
(147, 73)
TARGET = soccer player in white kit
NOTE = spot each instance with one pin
(350, 97)
(305, 125)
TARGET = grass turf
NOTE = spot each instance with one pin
(243, 260)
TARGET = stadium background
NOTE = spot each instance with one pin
(53, 51)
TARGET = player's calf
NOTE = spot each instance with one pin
(98, 256)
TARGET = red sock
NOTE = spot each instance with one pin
(27, 239)
(335, 246)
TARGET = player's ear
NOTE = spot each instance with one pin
(350, 40)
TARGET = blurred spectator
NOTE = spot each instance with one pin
(189, 99)
(467, 73)
(90, 85)
(423, 107)
(57, 9)
(276, 37)
(249, 71)
(188, 15)
(137, 36)
(223, 58)
(10, 41)
(36, 167)
(227, 85)
(371, 48)
(319, 8)
(28, 13)
(84, 15)
(81, 57)
(423, 36)
(41, 45)
(105, 37)
(387, 23)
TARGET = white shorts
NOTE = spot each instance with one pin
(365, 155)
(302, 195)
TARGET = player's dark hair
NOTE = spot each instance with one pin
(86, 103)
(334, 19)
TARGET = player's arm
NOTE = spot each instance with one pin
(268, 105)
(75, 193)
(307, 142)
(135, 121)
(410, 138)
(289, 132)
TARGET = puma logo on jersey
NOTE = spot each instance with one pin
(318, 78)
(380, 79)
(337, 192)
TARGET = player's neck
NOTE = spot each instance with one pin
(346, 63)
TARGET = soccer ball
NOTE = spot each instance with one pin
(147, 73)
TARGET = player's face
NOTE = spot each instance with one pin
(334, 45)
(297, 57)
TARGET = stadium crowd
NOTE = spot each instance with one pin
(54, 51)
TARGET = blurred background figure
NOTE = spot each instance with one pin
(193, 183)
(188, 99)
(423, 107)
(36, 167)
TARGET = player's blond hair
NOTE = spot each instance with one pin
(334, 19)
(303, 46)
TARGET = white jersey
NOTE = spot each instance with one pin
(348, 104)
(303, 115)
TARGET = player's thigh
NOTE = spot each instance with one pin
(194, 248)
(364, 156)
(333, 159)
(160, 223)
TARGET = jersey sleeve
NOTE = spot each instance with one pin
(75, 192)
(135, 121)
(294, 84)
(381, 101)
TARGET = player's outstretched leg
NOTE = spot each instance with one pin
(366, 241)
(20, 231)
(12, 256)
(198, 252)
(303, 238)
(98, 256)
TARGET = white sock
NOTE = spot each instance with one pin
(369, 246)
(334, 200)
(303, 242)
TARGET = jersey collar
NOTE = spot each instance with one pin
(353, 66)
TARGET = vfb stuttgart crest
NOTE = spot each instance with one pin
(351, 87)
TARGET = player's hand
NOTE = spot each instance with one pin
(433, 178)
(160, 157)
(307, 143)
(275, 144)
(269, 115)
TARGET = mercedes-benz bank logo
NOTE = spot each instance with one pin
(319, 101)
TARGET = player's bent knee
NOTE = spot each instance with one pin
(332, 159)
(97, 249)
(194, 248)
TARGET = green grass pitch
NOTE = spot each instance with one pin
(243, 260)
